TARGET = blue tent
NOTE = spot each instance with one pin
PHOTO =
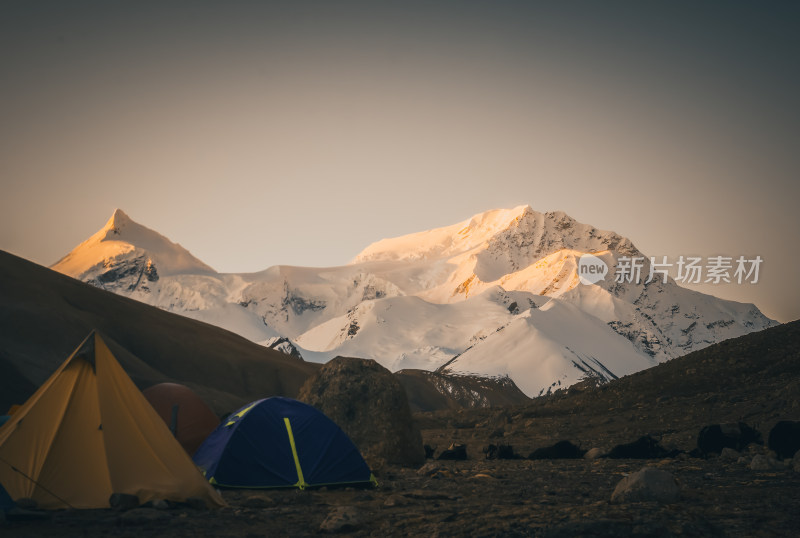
(5, 499)
(280, 442)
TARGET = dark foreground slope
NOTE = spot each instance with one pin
(754, 378)
(44, 315)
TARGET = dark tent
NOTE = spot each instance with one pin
(280, 442)
(188, 417)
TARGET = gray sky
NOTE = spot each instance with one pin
(259, 133)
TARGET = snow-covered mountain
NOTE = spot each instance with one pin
(495, 295)
(109, 255)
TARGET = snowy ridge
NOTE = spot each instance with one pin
(495, 295)
(556, 357)
(442, 242)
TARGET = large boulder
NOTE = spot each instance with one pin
(370, 405)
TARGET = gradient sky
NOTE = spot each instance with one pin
(262, 133)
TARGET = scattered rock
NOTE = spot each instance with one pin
(647, 484)
(143, 516)
(429, 451)
(258, 500)
(560, 450)
(395, 500)
(729, 454)
(765, 463)
(160, 504)
(645, 447)
(341, 519)
(784, 438)
(123, 501)
(429, 469)
(370, 405)
(454, 452)
(593, 454)
(713, 438)
(483, 475)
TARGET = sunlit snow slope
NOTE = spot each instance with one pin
(495, 295)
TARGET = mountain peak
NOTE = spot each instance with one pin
(501, 216)
(122, 237)
(503, 231)
(119, 220)
(448, 240)
(119, 217)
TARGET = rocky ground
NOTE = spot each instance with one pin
(755, 379)
(479, 498)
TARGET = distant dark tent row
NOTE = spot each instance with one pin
(183, 410)
(279, 442)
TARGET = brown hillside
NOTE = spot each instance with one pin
(44, 315)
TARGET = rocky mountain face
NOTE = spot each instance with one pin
(284, 345)
(432, 391)
(495, 296)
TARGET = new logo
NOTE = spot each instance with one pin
(591, 269)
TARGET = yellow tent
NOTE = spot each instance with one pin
(87, 433)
